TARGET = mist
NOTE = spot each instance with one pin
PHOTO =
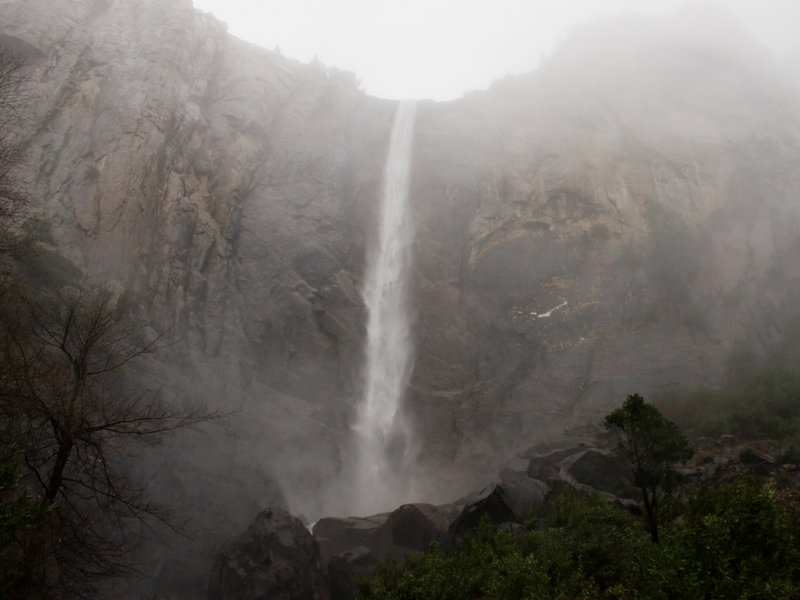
(457, 52)
(615, 210)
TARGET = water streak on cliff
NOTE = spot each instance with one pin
(384, 449)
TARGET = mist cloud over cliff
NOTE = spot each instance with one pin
(402, 49)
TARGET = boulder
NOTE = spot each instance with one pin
(275, 558)
(411, 528)
(338, 535)
(494, 506)
(351, 547)
(345, 570)
(760, 463)
(603, 470)
(523, 494)
(545, 464)
(580, 463)
(704, 443)
(564, 480)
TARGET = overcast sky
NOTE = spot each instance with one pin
(441, 49)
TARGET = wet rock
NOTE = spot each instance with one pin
(603, 470)
(493, 506)
(338, 535)
(410, 528)
(351, 547)
(704, 443)
(345, 570)
(543, 463)
(760, 463)
(523, 494)
(564, 480)
(691, 474)
(581, 464)
(276, 557)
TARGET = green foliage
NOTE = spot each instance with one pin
(736, 541)
(487, 564)
(763, 406)
(597, 540)
(586, 549)
(651, 444)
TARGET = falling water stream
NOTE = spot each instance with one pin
(383, 448)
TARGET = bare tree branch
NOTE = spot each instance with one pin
(68, 400)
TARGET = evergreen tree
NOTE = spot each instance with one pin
(651, 445)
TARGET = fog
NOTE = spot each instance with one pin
(425, 49)
(605, 200)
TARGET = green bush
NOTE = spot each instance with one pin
(740, 540)
(586, 549)
(735, 541)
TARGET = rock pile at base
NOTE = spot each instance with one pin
(277, 557)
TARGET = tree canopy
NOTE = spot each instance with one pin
(651, 445)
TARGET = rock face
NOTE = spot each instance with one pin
(351, 548)
(345, 570)
(275, 558)
(624, 219)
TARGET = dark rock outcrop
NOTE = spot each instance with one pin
(337, 535)
(345, 570)
(604, 470)
(352, 547)
(523, 494)
(580, 464)
(411, 528)
(493, 507)
(276, 558)
(759, 462)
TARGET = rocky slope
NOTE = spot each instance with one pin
(278, 554)
(623, 220)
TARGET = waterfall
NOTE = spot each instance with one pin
(383, 448)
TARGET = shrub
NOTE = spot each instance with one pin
(735, 541)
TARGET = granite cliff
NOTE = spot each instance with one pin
(623, 219)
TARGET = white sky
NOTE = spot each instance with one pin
(441, 49)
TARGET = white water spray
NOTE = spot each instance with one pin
(383, 448)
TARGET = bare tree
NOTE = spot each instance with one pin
(66, 400)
